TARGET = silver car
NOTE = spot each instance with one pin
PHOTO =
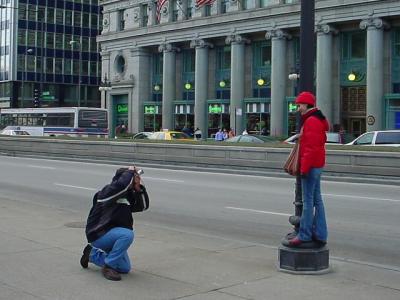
(378, 138)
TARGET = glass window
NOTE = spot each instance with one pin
(39, 64)
(158, 64)
(21, 62)
(67, 40)
(22, 11)
(85, 43)
(77, 19)
(145, 16)
(266, 55)
(50, 15)
(68, 17)
(39, 40)
(93, 20)
(365, 139)
(93, 68)
(190, 9)
(358, 45)
(49, 65)
(58, 65)
(32, 12)
(85, 20)
(50, 40)
(76, 67)
(31, 38)
(60, 16)
(397, 43)
(189, 61)
(224, 6)
(85, 65)
(67, 66)
(387, 138)
(93, 44)
(121, 20)
(30, 61)
(59, 41)
(224, 58)
(21, 37)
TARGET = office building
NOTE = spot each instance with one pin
(49, 55)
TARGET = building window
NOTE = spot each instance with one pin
(145, 16)
(354, 45)
(120, 64)
(190, 9)
(175, 10)
(50, 40)
(224, 6)
(58, 65)
(397, 43)
(93, 20)
(77, 19)
(68, 17)
(50, 15)
(59, 16)
(188, 61)
(49, 65)
(121, 20)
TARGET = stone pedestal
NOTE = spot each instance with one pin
(304, 260)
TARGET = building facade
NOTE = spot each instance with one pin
(49, 55)
(226, 65)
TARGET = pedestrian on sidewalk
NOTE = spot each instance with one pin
(109, 228)
(312, 160)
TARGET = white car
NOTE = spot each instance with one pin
(14, 132)
(378, 138)
(331, 138)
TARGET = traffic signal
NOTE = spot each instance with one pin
(36, 100)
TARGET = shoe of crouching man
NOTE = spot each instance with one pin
(110, 273)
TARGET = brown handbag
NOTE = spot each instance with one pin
(292, 164)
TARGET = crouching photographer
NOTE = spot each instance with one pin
(109, 228)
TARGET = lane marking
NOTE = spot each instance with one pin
(361, 197)
(162, 179)
(75, 187)
(41, 167)
(258, 211)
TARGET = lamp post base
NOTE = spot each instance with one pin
(311, 261)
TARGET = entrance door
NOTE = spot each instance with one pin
(357, 126)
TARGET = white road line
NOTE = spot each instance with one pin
(41, 167)
(162, 179)
(361, 197)
(75, 187)
(258, 211)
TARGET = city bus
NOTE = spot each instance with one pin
(56, 121)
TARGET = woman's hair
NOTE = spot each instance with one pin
(118, 173)
(310, 106)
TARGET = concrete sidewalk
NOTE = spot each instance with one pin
(41, 246)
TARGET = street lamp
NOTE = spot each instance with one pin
(105, 85)
(72, 43)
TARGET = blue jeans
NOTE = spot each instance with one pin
(313, 221)
(111, 249)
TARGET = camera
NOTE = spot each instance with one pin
(139, 171)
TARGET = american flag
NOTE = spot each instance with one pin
(160, 4)
(200, 3)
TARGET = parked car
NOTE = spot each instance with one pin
(250, 138)
(331, 138)
(142, 135)
(14, 132)
(378, 138)
(168, 135)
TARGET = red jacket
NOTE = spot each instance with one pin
(312, 140)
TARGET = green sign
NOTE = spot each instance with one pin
(292, 107)
(214, 109)
(46, 93)
(150, 109)
(48, 97)
(122, 108)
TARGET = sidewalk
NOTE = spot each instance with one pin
(41, 246)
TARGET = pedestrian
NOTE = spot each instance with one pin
(219, 136)
(231, 133)
(109, 228)
(197, 134)
(312, 160)
(225, 134)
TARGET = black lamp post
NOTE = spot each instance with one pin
(310, 257)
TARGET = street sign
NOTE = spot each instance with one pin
(48, 97)
(46, 93)
(122, 108)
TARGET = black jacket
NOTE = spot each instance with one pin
(112, 206)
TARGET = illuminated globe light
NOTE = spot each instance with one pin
(260, 81)
(188, 86)
(351, 76)
(157, 87)
(222, 83)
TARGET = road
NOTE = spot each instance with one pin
(363, 219)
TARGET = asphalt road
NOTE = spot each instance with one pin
(363, 219)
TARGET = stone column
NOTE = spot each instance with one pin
(374, 27)
(278, 79)
(237, 81)
(169, 84)
(201, 85)
(140, 58)
(324, 69)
